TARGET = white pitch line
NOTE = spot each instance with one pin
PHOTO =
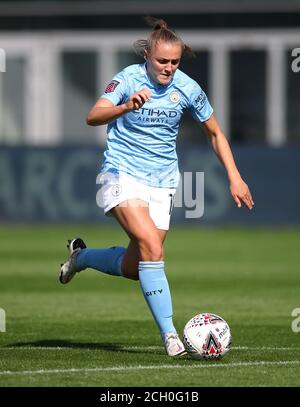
(120, 348)
(265, 348)
(128, 348)
(149, 367)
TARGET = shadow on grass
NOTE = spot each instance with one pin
(109, 347)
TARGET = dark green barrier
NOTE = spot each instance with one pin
(59, 185)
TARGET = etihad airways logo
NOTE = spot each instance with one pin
(156, 112)
(155, 115)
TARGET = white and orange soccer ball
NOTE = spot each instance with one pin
(207, 336)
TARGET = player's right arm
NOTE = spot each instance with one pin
(104, 111)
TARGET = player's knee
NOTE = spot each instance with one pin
(151, 250)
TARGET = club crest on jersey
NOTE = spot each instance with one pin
(174, 96)
(111, 86)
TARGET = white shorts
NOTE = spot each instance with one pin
(116, 189)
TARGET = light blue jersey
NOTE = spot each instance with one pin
(142, 143)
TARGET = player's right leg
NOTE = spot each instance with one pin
(107, 260)
(116, 189)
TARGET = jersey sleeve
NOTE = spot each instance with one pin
(116, 89)
(199, 106)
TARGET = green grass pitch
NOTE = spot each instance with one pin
(98, 331)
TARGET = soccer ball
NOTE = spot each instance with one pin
(207, 336)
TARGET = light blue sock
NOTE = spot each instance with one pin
(108, 261)
(156, 291)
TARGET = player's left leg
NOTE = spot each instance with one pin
(132, 257)
(147, 246)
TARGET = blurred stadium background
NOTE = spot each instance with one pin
(59, 56)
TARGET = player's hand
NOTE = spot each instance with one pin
(241, 193)
(137, 100)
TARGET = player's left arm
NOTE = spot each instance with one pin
(238, 188)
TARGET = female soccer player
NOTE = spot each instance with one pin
(142, 106)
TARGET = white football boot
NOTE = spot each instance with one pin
(69, 268)
(173, 345)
